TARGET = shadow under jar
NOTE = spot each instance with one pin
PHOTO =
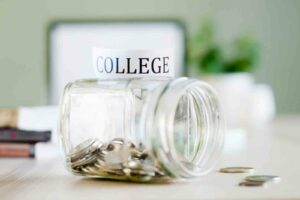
(140, 129)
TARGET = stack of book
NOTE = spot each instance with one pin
(20, 143)
(16, 141)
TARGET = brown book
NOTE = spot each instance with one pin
(17, 150)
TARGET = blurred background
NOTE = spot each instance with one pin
(264, 34)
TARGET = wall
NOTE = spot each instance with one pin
(23, 24)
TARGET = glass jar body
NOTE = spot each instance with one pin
(140, 129)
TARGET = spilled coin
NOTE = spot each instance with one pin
(236, 170)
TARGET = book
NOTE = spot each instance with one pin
(17, 150)
(23, 136)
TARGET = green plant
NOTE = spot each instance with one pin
(207, 55)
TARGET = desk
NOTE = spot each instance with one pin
(271, 149)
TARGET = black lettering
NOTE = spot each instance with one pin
(158, 67)
(117, 67)
(143, 65)
(128, 67)
(107, 70)
(165, 64)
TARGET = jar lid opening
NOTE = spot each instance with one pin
(188, 127)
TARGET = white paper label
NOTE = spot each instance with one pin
(111, 63)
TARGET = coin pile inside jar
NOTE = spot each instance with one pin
(118, 159)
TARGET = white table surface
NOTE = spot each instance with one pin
(270, 149)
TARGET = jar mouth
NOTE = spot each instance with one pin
(187, 128)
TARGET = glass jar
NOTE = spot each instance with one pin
(140, 129)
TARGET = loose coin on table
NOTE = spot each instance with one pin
(236, 170)
(251, 184)
(262, 178)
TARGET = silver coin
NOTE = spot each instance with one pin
(115, 146)
(83, 146)
(103, 147)
(86, 170)
(130, 145)
(90, 170)
(100, 162)
(119, 155)
(251, 184)
(76, 170)
(86, 147)
(139, 154)
(262, 178)
(159, 173)
(118, 141)
(127, 171)
(95, 146)
(133, 164)
(88, 159)
(135, 153)
(237, 170)
(111, 169)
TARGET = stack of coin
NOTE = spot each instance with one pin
(118, 159)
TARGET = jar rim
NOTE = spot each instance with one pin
(163, 129)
